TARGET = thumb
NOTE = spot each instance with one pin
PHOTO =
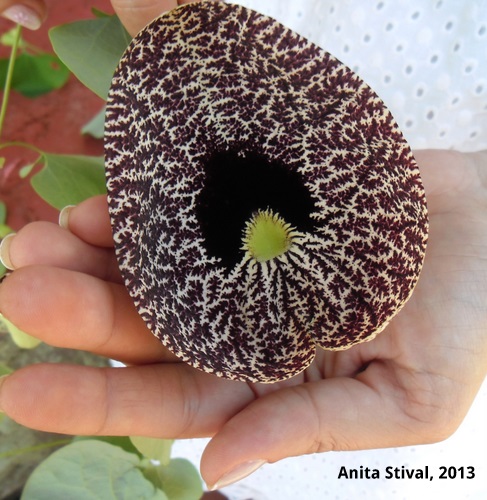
(338, 414)
(136, 14)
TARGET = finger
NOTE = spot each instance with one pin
(136, 14)
(28, 13)
(90, 221)
(44, 243)
(69, 309)
(338, 414)
(166, 401)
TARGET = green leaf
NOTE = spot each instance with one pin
(25, 171)
(155, 449)
(3, 270)
(120, 441)
(180, 480)
(68, 180)
(99, 13)
(21, 339)
(4, 370)
(8, 39)
(90, 470)
(4, 230)
(35, 75)
(96, 126)
(3, 213)
(91, 49)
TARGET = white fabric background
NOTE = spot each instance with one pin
(427, 59)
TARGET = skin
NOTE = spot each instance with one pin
(39, 8)
(134, 14)
(28, 13)
(413, 384)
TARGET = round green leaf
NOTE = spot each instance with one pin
(155, 449)
(4, 230)
(35, 75)
(180, 480)
(68, 180)
(91, 49)
(3, 210)
(5, 370)
(96, 126)
(120, 441)
(90, 470)
(21, 339)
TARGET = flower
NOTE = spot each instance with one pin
(221, 124)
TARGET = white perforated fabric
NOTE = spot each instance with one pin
(427, 59)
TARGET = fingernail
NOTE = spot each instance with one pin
(64, 216)
(5, 251)
(238, 473)
(23, 15)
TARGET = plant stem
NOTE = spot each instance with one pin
(19, 144)
(10, 73)
(30, 449)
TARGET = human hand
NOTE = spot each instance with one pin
(28, 13)
(134, 14)
(414, 383)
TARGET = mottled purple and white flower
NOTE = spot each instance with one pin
(264, 202)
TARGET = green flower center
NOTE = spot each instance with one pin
(266, 235)
(237, 188)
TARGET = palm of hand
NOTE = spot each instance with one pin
(415, 381)
(412, 384)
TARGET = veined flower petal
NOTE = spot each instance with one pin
(216, 112)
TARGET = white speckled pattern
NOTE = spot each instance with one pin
(461, 96)
(425, 59)
(212, 77)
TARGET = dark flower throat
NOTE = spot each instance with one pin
(237, 184)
